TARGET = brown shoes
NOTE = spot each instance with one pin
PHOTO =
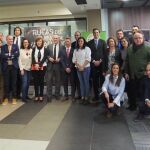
(14, 101)
(5, 102)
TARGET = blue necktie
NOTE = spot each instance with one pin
(96, 43)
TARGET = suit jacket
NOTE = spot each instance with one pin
(74, 45)
(50, 54)
(98, 53)
(21, 39)
(65, 61)
(118, 58)
(13, 56)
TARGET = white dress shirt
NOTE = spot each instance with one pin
(115, 91)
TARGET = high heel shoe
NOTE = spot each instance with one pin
(36, 99)
(40, 99)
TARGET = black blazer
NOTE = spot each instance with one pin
(74, 45)
(5, 56)
(118, 58)
(44, 58)
(65, 61)
(98, 53)
(21, 39)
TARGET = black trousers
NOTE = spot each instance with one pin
(18, 83)
(134, 92)
(10, 78)
(143, 108)
(113, 109)
(38, 79)
(69, 78)
(97, 80)
(53, 74)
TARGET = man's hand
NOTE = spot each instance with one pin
(51, 60)
(57, 60)
(68, 70)
(148, 103)
(97, 63)
(126, 76)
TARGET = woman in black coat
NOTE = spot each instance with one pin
(39, 57)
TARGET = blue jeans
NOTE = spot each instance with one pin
(25, 84)
(84, 81)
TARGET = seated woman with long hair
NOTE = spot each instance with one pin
(113, 89)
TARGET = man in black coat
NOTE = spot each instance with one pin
(98, 62)
(17, 39)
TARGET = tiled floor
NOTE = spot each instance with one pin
(66, 126)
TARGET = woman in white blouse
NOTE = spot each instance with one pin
(113, 89)
(82, 59)
(25, 59)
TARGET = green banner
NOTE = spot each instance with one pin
(89, 36)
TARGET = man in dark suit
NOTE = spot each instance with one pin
(77, 34)
(98, 62)
(9, 56)
(68, 66)
(54, 68)
(119, 35)
(17, 39)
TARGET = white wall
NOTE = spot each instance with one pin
(104, 21)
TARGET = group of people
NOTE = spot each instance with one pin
(115, 66)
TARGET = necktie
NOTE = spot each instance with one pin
(17, 42)
(39, 56)
(68, 52)
(55, 52)
(96, 43)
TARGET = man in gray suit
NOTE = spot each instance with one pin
(54, 67)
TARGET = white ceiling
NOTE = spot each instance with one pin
(69, 4)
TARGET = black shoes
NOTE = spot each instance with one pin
(132, 108)
(139, 118)
(65, 99)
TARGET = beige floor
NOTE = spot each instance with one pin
(38, 131)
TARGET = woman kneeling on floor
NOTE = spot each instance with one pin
(113, 89)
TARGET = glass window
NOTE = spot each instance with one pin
(4, 29)
(77, 25)
(39, 24)
(57, 23)
(21, 25)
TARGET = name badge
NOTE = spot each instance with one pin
(9, 62)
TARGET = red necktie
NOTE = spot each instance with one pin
(68, 52)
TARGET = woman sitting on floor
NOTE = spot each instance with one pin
(113, 89)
